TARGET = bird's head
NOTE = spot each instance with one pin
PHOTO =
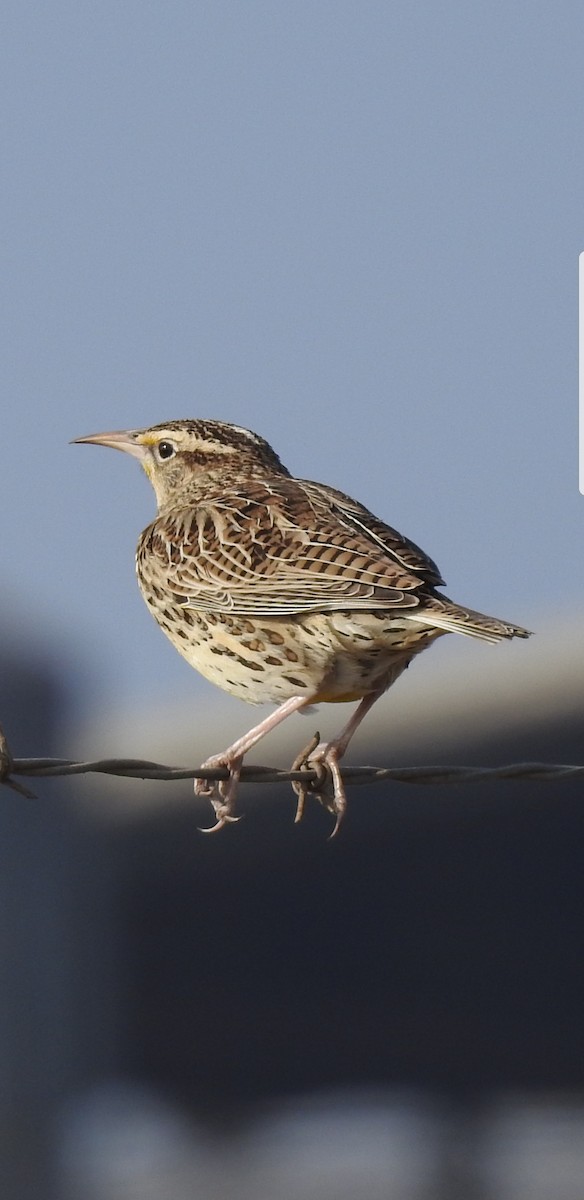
(181, 457)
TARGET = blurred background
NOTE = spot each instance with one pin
(355, 230)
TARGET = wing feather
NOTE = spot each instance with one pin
(281, 547)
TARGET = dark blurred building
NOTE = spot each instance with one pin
(46, 1026)
(435, 942)
(434, 945)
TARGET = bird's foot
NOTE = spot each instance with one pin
(328, 787)
(302, 763)
(332, 795)
(222, 793)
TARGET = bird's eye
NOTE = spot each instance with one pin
(165, 450)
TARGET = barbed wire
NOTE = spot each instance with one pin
(137, 768)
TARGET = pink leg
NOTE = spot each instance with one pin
(222, 794)
(330, 754)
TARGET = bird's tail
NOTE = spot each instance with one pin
(443, 613)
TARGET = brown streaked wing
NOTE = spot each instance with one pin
(279, 547)
(400, 548)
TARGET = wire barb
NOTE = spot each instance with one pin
(7, 768)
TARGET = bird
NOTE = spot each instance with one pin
(280, 590)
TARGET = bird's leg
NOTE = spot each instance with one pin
(223, 793)
(329, 755)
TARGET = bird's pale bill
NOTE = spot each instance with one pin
(121, 439)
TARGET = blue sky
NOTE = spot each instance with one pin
(351, 227)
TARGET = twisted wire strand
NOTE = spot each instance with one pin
(137, 768)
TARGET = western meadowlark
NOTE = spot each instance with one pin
(278, 589)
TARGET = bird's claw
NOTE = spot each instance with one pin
(328, 787)
(224, 817)
(205, 787)
(301, 762)
(222, 792)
